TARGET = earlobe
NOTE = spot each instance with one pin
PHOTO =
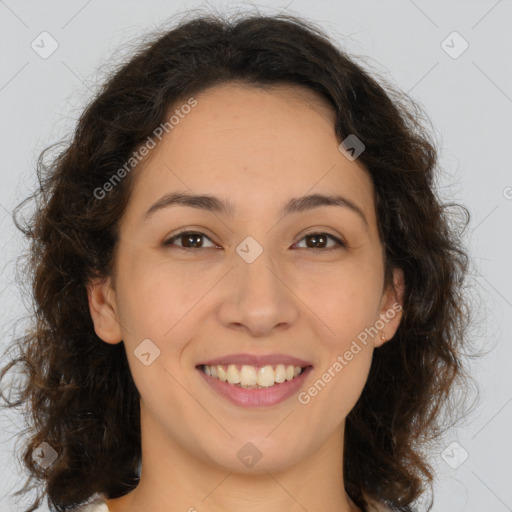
(101, 298)
(391, 310)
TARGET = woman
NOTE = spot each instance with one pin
(248, 294)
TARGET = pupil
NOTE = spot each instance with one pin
(316, 237)
(190, 239)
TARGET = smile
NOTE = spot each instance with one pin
(241, 384)
(253, 377)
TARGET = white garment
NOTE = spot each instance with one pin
(95, 504)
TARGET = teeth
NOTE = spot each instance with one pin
(266, 377)
(251, 376)
(233, 374)
(280, 373)
(222, 374)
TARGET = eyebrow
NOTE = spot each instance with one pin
(217, 205)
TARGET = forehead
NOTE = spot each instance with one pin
(222, 98)
(259, 112)
(253, 144)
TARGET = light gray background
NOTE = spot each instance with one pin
(469, 100)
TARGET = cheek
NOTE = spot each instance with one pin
(155, 294)
(161, 391)
(346, 299)
(336, 388)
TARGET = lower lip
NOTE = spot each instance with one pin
(257, 397)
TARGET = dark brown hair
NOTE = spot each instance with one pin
(79, 395)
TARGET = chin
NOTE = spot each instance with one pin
(256, 454)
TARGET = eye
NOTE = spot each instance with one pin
(189, 239)
(319, 241)
(192, 240)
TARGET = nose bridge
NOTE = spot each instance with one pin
(260, 299)
(257, 270)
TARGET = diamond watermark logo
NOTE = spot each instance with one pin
(454, 455)
(249, 455)
(351, 147)
(454, 45)
(44, 45)
(146, 352)
(44, 455)
(249, 249)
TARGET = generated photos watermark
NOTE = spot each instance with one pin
(137, 156)
(304, 397)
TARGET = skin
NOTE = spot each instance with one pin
(257, 148)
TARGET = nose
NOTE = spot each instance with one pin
(259, 300)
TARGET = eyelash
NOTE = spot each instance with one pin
(169, 242)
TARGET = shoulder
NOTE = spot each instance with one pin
(95, 504)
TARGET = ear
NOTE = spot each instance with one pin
(102, 305)
(390, 312)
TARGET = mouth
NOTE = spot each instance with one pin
(254, 386)
(253, 377)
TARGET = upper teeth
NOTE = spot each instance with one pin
(253, 376)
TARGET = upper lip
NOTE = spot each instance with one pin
(256, 360)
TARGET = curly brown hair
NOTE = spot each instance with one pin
(79, 395)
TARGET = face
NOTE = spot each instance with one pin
(254, 278)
